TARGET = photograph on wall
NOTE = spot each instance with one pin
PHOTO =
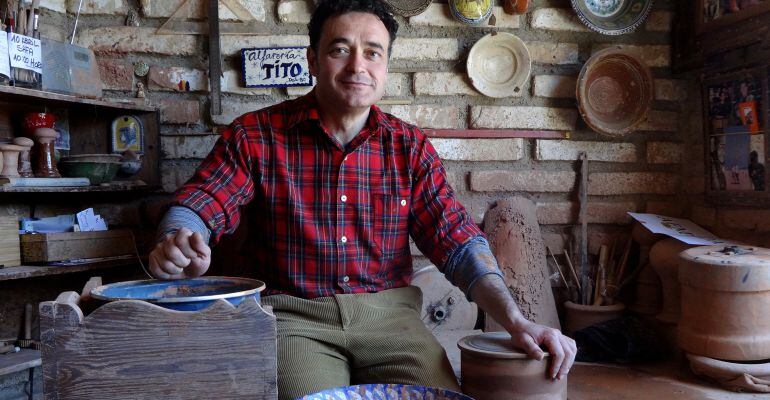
(737, 149)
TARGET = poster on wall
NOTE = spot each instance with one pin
(5, 64)
(275, 67)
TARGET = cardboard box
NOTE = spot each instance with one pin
(46, 247)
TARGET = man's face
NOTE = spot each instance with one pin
(351, 64)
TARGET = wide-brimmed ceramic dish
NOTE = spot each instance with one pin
(408, 8)
(612, 17)
(183, 294)
(499, 65)
(471, 12)
(614, 91)
(386, 392)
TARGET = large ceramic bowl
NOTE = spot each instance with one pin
(183, 294)
(386, 392)
(499, 65)
(98, 168)
(612, 17)
(615, 91)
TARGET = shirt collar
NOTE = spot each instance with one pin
(305, 108)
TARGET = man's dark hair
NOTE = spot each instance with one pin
(326, 9)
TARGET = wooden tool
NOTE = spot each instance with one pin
(583, 220)
(600, 277)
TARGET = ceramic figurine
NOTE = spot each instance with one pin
(140, 94)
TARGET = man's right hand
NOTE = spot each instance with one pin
(181, 255)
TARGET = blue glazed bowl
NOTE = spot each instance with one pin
(183, 294)
(386, 392)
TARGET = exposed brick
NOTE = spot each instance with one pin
(395, 84)
(746, 219)
(439, 15)
(233, 108)
(596, 151)
(296, 91)
(659, 21)
(174, 174)
(190, 146)
(664, 153)
(556, 242)
(599, 235)
(427, 116)
(59, 6)
(125, 215)
(232, 44)
(597, 212)
(231, 82)
(652, 55)
(554, 86)
(665, 121)
(670, 90)
(553, 53)
(523, 117)
(198, 9)
(116, 75)
(612, 183)
(178, 79)
(666, 208)
(456, 180)
(443, 84)
(295, 11)
(130, 39)
(478, 149)
(426, 49)
(557, 19)
(180, 111)
(704, 216)
(695, 185)
(98, 7)
(528, 181)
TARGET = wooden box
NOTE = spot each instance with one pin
(9, 242)
(45, 247)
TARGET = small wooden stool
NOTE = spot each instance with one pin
(134, 349)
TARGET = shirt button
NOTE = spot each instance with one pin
(344, 198)
(346, 158)
(403, 202)
(346, 279)
(343, 239)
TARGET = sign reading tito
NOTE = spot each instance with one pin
(276, 67)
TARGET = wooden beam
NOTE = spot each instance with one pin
(496, 133)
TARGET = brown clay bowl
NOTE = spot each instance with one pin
(615, 91)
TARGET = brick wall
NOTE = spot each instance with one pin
(428, 86)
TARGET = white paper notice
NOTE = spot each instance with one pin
(25, 52)
(677, 228)
(5, 66)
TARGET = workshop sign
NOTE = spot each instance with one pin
(276, 67)
(25, 52)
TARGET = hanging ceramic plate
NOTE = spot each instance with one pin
(499, 65)
(408, 8)
(612, 17)
(615, 92)
(471, 12)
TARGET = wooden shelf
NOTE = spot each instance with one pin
(110, 187)
(31, 271)
(64, 98)
(15, 362)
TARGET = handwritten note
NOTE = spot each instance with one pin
(25, 52)
(276, 67)
(5, 66)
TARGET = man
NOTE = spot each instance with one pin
(339, 186)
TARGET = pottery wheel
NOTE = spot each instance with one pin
(444, 306)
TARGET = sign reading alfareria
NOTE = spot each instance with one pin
(276, 67)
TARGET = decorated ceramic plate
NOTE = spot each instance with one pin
(386, 392)
(499, 65)
(471, 12)
(612, 17)
(408, 8)
(182, 294)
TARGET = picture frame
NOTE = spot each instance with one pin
(127, 133)
(735, 116)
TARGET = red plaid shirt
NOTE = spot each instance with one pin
(330, 219)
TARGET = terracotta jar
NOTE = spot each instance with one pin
(664, 259)
(726, 302)
(739, 377)
(45, 160)
(579, 316)
(492, 369)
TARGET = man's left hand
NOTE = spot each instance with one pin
(528, 336)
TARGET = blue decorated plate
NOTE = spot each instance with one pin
(386, 392)
(182, 294)
(612, 17)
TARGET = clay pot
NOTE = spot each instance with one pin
(726, 302)
(492, 369)
(733, 375)
(32, 121)
(664, 259)
(647, 299)
(580, 316)
(45, 161)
